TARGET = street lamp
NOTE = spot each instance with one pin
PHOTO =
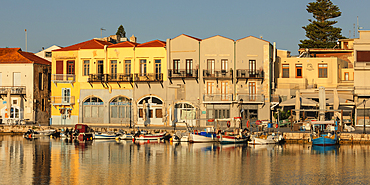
(130, 111)
(240, 112)
(364, 116)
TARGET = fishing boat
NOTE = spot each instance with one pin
(125, 136)
(106, 135)
(145, 136)
(265, 139)
(36, 134)
(321, 136)
(233, 138)
(180, 137)
(82, 133)
(200, 137)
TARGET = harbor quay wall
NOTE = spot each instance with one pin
(290, 137)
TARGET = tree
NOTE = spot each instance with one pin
(121, 32)
(320, 32)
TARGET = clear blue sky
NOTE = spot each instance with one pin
(68, 22)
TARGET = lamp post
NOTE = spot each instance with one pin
(130, 111)
(364, 117)
(240, 112)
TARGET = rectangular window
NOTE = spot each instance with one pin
(252, 68)
(158, 69)
(224, 90)
(346, 76)
(16, 79)
(100, 69)
(43, 105)
(113, 112)
(176, 66)
(189, 67)
(142, 67)
(298, 70)
(49, 81)
(48, 54)
(323, 70)
(210, 87)
(113, 69)
(211, 67)
(41, 82)
(140, 113)
(86, 67)
(66, 95)
(59, 67)
(252, 91)
(363, 56)
(71, 67)
(223, 65)
(285, 71)
(158, 113)
(127, 67)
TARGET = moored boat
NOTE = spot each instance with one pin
(234, 138)
(180, 137)
(319, 135)
(154, 136)
(265, 139)
(107, 135)
(200, 137)
(83, 133)
(126, 136)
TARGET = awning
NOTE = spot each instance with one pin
(304, 102)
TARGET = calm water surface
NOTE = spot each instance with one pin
(54, 161)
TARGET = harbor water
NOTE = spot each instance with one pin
(56, 161)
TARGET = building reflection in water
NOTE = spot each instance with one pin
(50, 161)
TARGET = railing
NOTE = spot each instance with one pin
(14, 90)
(148, 77)
(113, 77)
(183, 73)
(63, 78)
(217, 74)
(218, 97)
(248, 98)
(246, 73)
(62, 100)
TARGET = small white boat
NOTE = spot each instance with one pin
(125, 137)
(265, 139)
(154, 136)
(180, 137)
(202, 137)
(107, 135)
(36, 134)
(234, 138)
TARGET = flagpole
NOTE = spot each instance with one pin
(25, 30)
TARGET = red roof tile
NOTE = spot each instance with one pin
(90, 44)
(16, 55)
(124, 44)
(154, 43)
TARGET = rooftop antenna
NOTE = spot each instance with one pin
(101, 32)
(25, 31)
(354, 31)
(349, 34)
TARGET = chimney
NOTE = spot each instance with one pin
(133, 39)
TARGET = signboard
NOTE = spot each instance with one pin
(93, 103)
(203, 112)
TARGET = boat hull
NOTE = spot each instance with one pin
(125, 137)
(104, 136)
(232, 139)
(322, 141)
(151, 136)
(260, 141)
(196, 138)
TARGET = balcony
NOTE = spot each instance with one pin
(251, 98)
(217, 98)
(63, 78)
(115, 77)
(62, 100)
(246, 74)
(14, 90)
(221, 74)
(182, 73)
(148, 77)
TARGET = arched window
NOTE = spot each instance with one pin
(120, 107)
(93, 110)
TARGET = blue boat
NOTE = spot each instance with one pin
(321, 135)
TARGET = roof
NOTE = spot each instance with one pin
(154, 43)
(189, 37)
(253, 37)
(218, 36)
(90, 44)
(124, 44)
(17, 56)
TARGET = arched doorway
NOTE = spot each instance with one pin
(120, 110)
(93, 110)
(150, 111)
(185, 113)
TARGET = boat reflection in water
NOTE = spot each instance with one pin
(325, 149)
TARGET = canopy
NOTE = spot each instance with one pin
(322, 122)
(304, 102)
(330, 101)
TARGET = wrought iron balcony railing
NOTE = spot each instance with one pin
(218, 97)
(183, 73)
(148, 77)
(113, 77)
(248, 98)
(62, 100)
(63, 78)
(246, 73)
(217, 74)
(14, 90)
